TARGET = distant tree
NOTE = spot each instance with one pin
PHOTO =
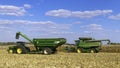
(7, 43)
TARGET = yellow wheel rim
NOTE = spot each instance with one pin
(19, 50)
(10, 51)
(92, 51)
(45, 52)
(78, 51)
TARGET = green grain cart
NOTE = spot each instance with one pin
(44, 45)
(89, 45)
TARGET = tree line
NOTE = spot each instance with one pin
(7, 43)
(115, 43)
(10, 43)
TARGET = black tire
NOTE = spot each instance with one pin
(47, 51)
(21, 50)
(28, 49)
(54, 51)
(97, 51)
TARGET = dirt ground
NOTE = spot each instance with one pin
(59, 60)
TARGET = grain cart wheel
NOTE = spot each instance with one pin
(79, 50)
(54, 51)
(47, 51)
(92, 51)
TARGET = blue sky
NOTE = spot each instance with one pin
(69, 19)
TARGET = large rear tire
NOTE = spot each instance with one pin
(21, 50)
(47, 51)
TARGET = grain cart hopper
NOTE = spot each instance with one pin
(89, 45)
(42, 45)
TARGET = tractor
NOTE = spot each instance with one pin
(42, 45)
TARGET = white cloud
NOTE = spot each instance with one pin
(46, 24)
(40, 22)
(26, 22)
(12, 10)
(115, 17)
(5, 29)
(90, 14)
(5, 22)
(34, 29)
(27, 5)
(93, 30)
(61, 26)
(93, 27)
(77, 22)
(117, 31)
(59, 13)
(35, 26)
(87, 32)
(78, 14)
(67, 32)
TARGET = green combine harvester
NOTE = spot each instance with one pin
(44, 45)
(89, 45)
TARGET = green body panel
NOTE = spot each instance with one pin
(55, 42)
(12, 47)
(52, 43)
(87, 44)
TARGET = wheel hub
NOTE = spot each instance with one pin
(19, 50)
